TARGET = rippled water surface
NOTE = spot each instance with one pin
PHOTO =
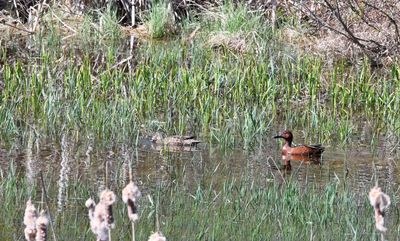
(66, 161)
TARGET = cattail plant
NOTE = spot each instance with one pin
(107, 198)
(30, 221)
(41, 227)
(380, 201)
(101, 215)
(130, 196)
(157, 236)
(36, 227)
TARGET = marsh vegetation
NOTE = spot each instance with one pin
(79, 91)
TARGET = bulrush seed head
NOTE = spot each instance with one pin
(101, 215)
(130, 195)
(41, 227)
(380, 201)
(30, 221)
(157, 236)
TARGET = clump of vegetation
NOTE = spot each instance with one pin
(161, 20)
(231, 42)
(79, 74)
(130, 196)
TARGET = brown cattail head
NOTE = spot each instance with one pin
(130, 195)
(41, 227)
(101, 216)
(380, 221)
(30, 221)
(157, 236)
(380, 201)
(107, 198)
(131, 191)
(98, 224)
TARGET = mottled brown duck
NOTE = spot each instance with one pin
(174, 140)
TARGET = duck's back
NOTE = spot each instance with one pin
(307, 150)
(181, 141)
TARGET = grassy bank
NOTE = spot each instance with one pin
(238, 209)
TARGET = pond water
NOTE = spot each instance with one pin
(69, 161)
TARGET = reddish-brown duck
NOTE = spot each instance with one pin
(303, 150)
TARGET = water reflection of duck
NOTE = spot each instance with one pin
(174, 148)
(174, 140)
(300, 150)
(302, 158)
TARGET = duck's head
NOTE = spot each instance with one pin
(287, 135)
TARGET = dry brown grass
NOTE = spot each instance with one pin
(225, 40)
(141, 32)
(353, 29)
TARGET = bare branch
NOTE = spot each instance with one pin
(392, 20)
(371, 27)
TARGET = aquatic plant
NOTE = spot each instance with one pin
(101, 215)
(230, 98)
(130, 196)
(30, 221)
(237, 208)
(41, 227)
(35, 225)
(160, 20)
(380, 201)
(157, 236)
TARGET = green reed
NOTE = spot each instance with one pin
(178, 86)
(160, 20)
